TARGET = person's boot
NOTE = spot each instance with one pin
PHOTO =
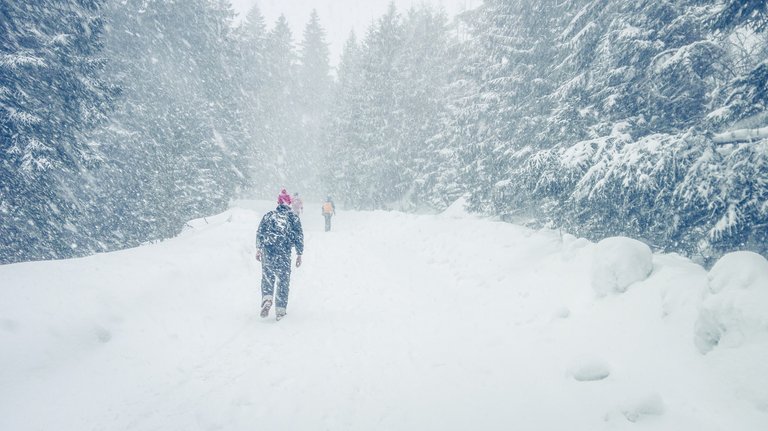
(280, 313)
(266, 304)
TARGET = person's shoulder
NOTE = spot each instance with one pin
(294, 219)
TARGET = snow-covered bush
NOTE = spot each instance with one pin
(735, 310)
(625, 187)
(619, 262)
(679, 192)
(723, 199)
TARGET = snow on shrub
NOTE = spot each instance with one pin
(736, 307)
(618, 262)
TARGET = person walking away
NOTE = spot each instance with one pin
(329, 210)
(297, 205)
(279, 231)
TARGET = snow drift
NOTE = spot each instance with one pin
(618, 263)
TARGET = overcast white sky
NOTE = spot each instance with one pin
(339, 16)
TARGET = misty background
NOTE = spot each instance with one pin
(341, 16)
(121, 120)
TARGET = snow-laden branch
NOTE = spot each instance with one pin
(741, 135)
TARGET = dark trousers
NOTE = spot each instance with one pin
(327, 222)
(276, 269)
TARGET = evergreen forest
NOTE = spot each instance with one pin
(120, 120)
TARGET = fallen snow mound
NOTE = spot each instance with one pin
(618, 263)
(734, 310)
(458, 209)
(738, 270)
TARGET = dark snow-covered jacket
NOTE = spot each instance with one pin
(280, 230)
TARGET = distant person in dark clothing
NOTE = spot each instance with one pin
(279, 231)
(329, 210)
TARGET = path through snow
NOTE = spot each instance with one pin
(395, 322)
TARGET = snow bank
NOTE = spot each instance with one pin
(233, 215)
(618, 262)
(737, 271)
(206, 222)
(735, 309)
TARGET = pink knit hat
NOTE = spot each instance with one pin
(283, 198)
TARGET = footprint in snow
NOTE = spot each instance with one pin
(561, 313)
(639, 408)
(590, 370)
(9, 325)
(103, 335)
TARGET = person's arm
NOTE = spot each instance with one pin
(260, 239)
(298, 239)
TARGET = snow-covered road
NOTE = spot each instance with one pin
(395, 322)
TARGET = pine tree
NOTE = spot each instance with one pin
(52, 95)
(506, 81)
(390, 99)
(380, 113)
(252, 77)
(344, 141)
(426, 64)
(280, 96)
(734, 13)
(313, 88)
(173, 142)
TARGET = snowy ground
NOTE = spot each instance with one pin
(396, 322)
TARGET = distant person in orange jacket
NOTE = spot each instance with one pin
(329, 210)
